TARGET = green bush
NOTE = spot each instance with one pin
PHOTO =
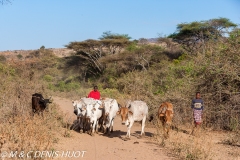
(2, 58)
(110, 92)
(7, 69)
(48, 78)
(62, 86)
(19, 56)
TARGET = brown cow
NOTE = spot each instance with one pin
(165, 114)
(39, 103)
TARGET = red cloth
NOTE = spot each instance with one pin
(94, 94)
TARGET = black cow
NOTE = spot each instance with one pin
(39, 104)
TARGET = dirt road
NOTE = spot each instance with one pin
(100, 147)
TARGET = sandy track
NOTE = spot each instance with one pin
(100, 147)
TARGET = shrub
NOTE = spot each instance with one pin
(48, 78)
(2, 58)
(19, 56)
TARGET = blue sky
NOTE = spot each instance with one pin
(30, 24)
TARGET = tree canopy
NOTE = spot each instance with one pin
(92, 50)
(110, 35)
(193, 35)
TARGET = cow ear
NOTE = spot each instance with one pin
(118, 112)
(161, 114)
(130, 112)
(119, 105)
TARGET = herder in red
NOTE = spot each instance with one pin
(95, 94)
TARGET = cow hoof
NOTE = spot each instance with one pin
(143, 135)
(81, 131)
(92, 134)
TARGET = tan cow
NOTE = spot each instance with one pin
(165, 114)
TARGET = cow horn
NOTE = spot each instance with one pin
(119, 105)
(112, 101)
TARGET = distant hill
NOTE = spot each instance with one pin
(14, 54)
(152, 40)
(59, 52)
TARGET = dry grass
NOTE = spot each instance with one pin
(19, 129)
(31, 133)
(181, 144)
(206, 145)
(233, 139)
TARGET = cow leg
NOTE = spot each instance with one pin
(101, 125)
(128, 129)
(143, 125)
(96, 129)
(42, 114)
(93, 127)
(168, 127)
(112, 125)
(81, 124)
(87, 126)
(33, 112)
(109, 127)
(167, 130)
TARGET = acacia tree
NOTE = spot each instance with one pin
(91, 51)
(110, 35)
(115, 45)
(143, 41)
(114, 42)
(194, 35)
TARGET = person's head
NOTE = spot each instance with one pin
(95, 88)
(198, 95)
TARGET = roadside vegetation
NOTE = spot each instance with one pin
(200, 56)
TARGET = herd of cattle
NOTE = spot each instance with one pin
(95, 114)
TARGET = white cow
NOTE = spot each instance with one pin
(134, 111)
(80, 105)
(94, 112)
(81, 111)
(111, 109)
